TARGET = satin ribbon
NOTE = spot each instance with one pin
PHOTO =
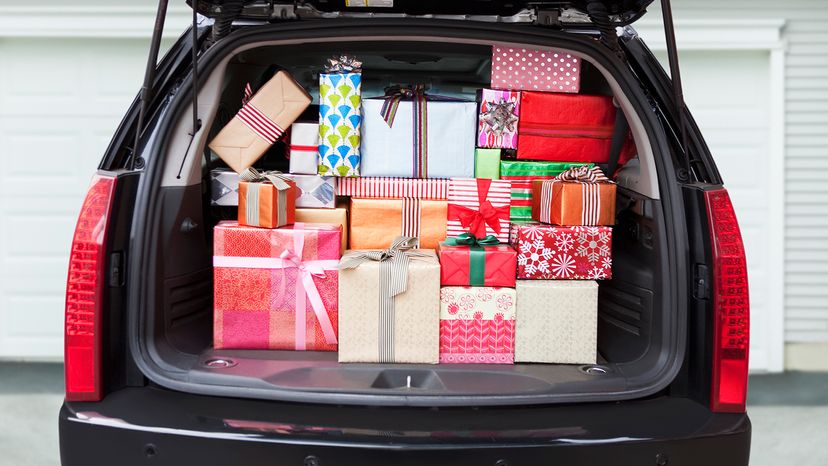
(393, 280)
(419, 106)
(477, 254)
(475, 221)
(276, 178)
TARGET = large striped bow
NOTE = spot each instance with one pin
(276, 178)
(396, 94)
(398, 255)
(584, 174)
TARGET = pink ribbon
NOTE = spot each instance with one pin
(306, 289)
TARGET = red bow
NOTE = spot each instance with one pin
(475, 221)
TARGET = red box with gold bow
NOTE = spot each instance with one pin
(469, 261)
(479, 206)
(276, 289)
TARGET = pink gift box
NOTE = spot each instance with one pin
(477, 325)
(497, 123)
(276, 288)
(547, 70)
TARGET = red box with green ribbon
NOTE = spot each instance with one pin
(467, 260)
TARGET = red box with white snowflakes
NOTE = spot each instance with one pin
(548, 252)
(548, 70)
(477, 325)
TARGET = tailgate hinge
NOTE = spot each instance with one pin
(599, 15)
(548, 18)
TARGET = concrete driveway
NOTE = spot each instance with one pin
(789, 414)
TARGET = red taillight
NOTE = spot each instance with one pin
(731, 306)
(84, 289)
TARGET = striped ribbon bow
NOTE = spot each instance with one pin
(256, 120)
(584, 174)
(419, 106)
(274, 177)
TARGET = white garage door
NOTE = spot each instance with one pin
(729, 94)
(60, 101)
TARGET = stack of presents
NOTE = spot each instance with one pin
(417, 228)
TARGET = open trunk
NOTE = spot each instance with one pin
(641, 321)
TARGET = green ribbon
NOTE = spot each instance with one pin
(477, 254)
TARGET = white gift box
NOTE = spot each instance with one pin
(304, 148)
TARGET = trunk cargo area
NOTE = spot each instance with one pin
(637, 318)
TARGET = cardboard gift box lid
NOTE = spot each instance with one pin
(260, 122)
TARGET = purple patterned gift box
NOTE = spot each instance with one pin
(498, 119)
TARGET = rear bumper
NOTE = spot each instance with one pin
(133, 426)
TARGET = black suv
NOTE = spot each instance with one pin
(145, 386)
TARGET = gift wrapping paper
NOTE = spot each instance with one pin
(547, 70)
(477, 325)
(374, 327)
(448, 146)
(376, 222)
(477, 265)
(556, 322)
(224, 187)
(571, 128)
(548, 252)
(336, 216)
(315, 191)
(588, 201)
(394, 188)
(276, 288)
(497, 122)
(261, 204)
(479, 206)
(261, 122)
(487, 163)
(522, 174)
(340, 123)
(303, 149)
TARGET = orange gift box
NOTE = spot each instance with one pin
(564, 201)
(376, 222)
(261, 204)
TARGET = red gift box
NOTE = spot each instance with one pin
(276, 288)
(568, 128)
(472, 265)
(548, 252)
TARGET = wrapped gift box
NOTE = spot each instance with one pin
(340, 118)
(394, 188)
(566, 200)
(304, 148)
(476, 264)
(224, 187)
(446, 151)
(376, 222)
(477, 325)
(375, 326)
(487, 163)
(261, 122)
(263, 300)
(315, 191)
(522, 174)
(263, 204)
(548, 70)
(572, 128)
(479, 206)
(335, 216)
(549, 252)
(498, 120)
(557, 322)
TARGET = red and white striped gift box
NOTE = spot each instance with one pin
(394, 188)
(466, 192)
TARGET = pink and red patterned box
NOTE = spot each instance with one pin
(548, 252)
(477, 325)
(547, 70)
(276, 288)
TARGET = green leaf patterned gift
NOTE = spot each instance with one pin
(522, 174)
(340, 117)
